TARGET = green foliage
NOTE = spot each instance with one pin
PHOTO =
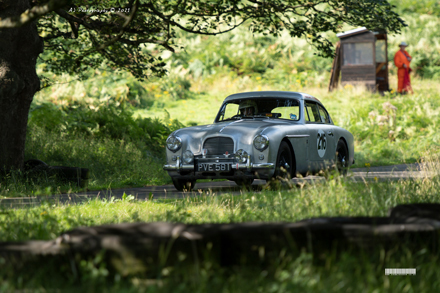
(391, 129)
(101, 121)
(130, 35)
(421, 35)
(204, 56)
(246, 53)
(431, 7)
(118, 149)
(348, 272)
(428, 64)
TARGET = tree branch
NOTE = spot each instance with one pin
(168, 20)
(32, 14)
(116, 38)
(96, 25)
(49, 37)
(149, 41)
(72, 18)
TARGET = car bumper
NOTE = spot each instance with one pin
(249, 166)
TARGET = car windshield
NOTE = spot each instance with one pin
(272, 108)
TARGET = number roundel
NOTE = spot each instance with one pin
(321, 142)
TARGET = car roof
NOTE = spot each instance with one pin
(272, 94)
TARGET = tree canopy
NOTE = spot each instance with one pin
(82, 33)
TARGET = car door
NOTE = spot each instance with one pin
(330, 135)
(321, 146)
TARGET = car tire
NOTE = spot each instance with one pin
(342, 158)
(284, 157)
(183, 184)
(246, 182)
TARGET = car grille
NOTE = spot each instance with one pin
(219, 145)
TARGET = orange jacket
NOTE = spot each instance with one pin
(400, 59)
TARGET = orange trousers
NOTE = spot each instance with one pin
(401, 86)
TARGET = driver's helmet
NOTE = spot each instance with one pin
(248, 106)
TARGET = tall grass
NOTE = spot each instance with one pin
(338, 196)
(103, 137)
(321, 273)
(349, 273)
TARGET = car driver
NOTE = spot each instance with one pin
(248, 108)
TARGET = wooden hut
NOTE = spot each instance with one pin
(361, 59)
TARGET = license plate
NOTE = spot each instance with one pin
(213, 167)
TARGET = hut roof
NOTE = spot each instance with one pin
(352, 32)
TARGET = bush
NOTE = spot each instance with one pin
(101, 121)
(118, 149)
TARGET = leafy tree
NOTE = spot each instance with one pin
(82, 34)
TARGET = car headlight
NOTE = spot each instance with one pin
(261, 142)
(241, 156)
(174, 143)
(188, 157)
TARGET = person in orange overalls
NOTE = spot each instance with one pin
(402, 60)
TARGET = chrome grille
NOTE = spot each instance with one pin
(219, 145)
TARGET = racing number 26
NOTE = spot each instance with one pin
(322, 142)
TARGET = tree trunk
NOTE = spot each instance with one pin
(19, 49)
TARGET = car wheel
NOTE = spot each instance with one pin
(245, 182)
(285, 166)
(183, 184)
(342, 157)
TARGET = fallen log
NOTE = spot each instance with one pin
(134, 248)
(38, 169)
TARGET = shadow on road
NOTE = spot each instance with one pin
(376, 174)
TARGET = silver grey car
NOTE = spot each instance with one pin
(264, 135)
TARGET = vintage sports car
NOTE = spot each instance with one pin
(259, 135)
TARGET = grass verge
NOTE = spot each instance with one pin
(335, 197)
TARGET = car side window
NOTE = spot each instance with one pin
(312, 113)
(324, 115)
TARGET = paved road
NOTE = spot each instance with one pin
(395, 172)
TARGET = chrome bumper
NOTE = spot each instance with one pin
(247, 166)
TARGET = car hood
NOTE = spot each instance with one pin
(242, 131)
